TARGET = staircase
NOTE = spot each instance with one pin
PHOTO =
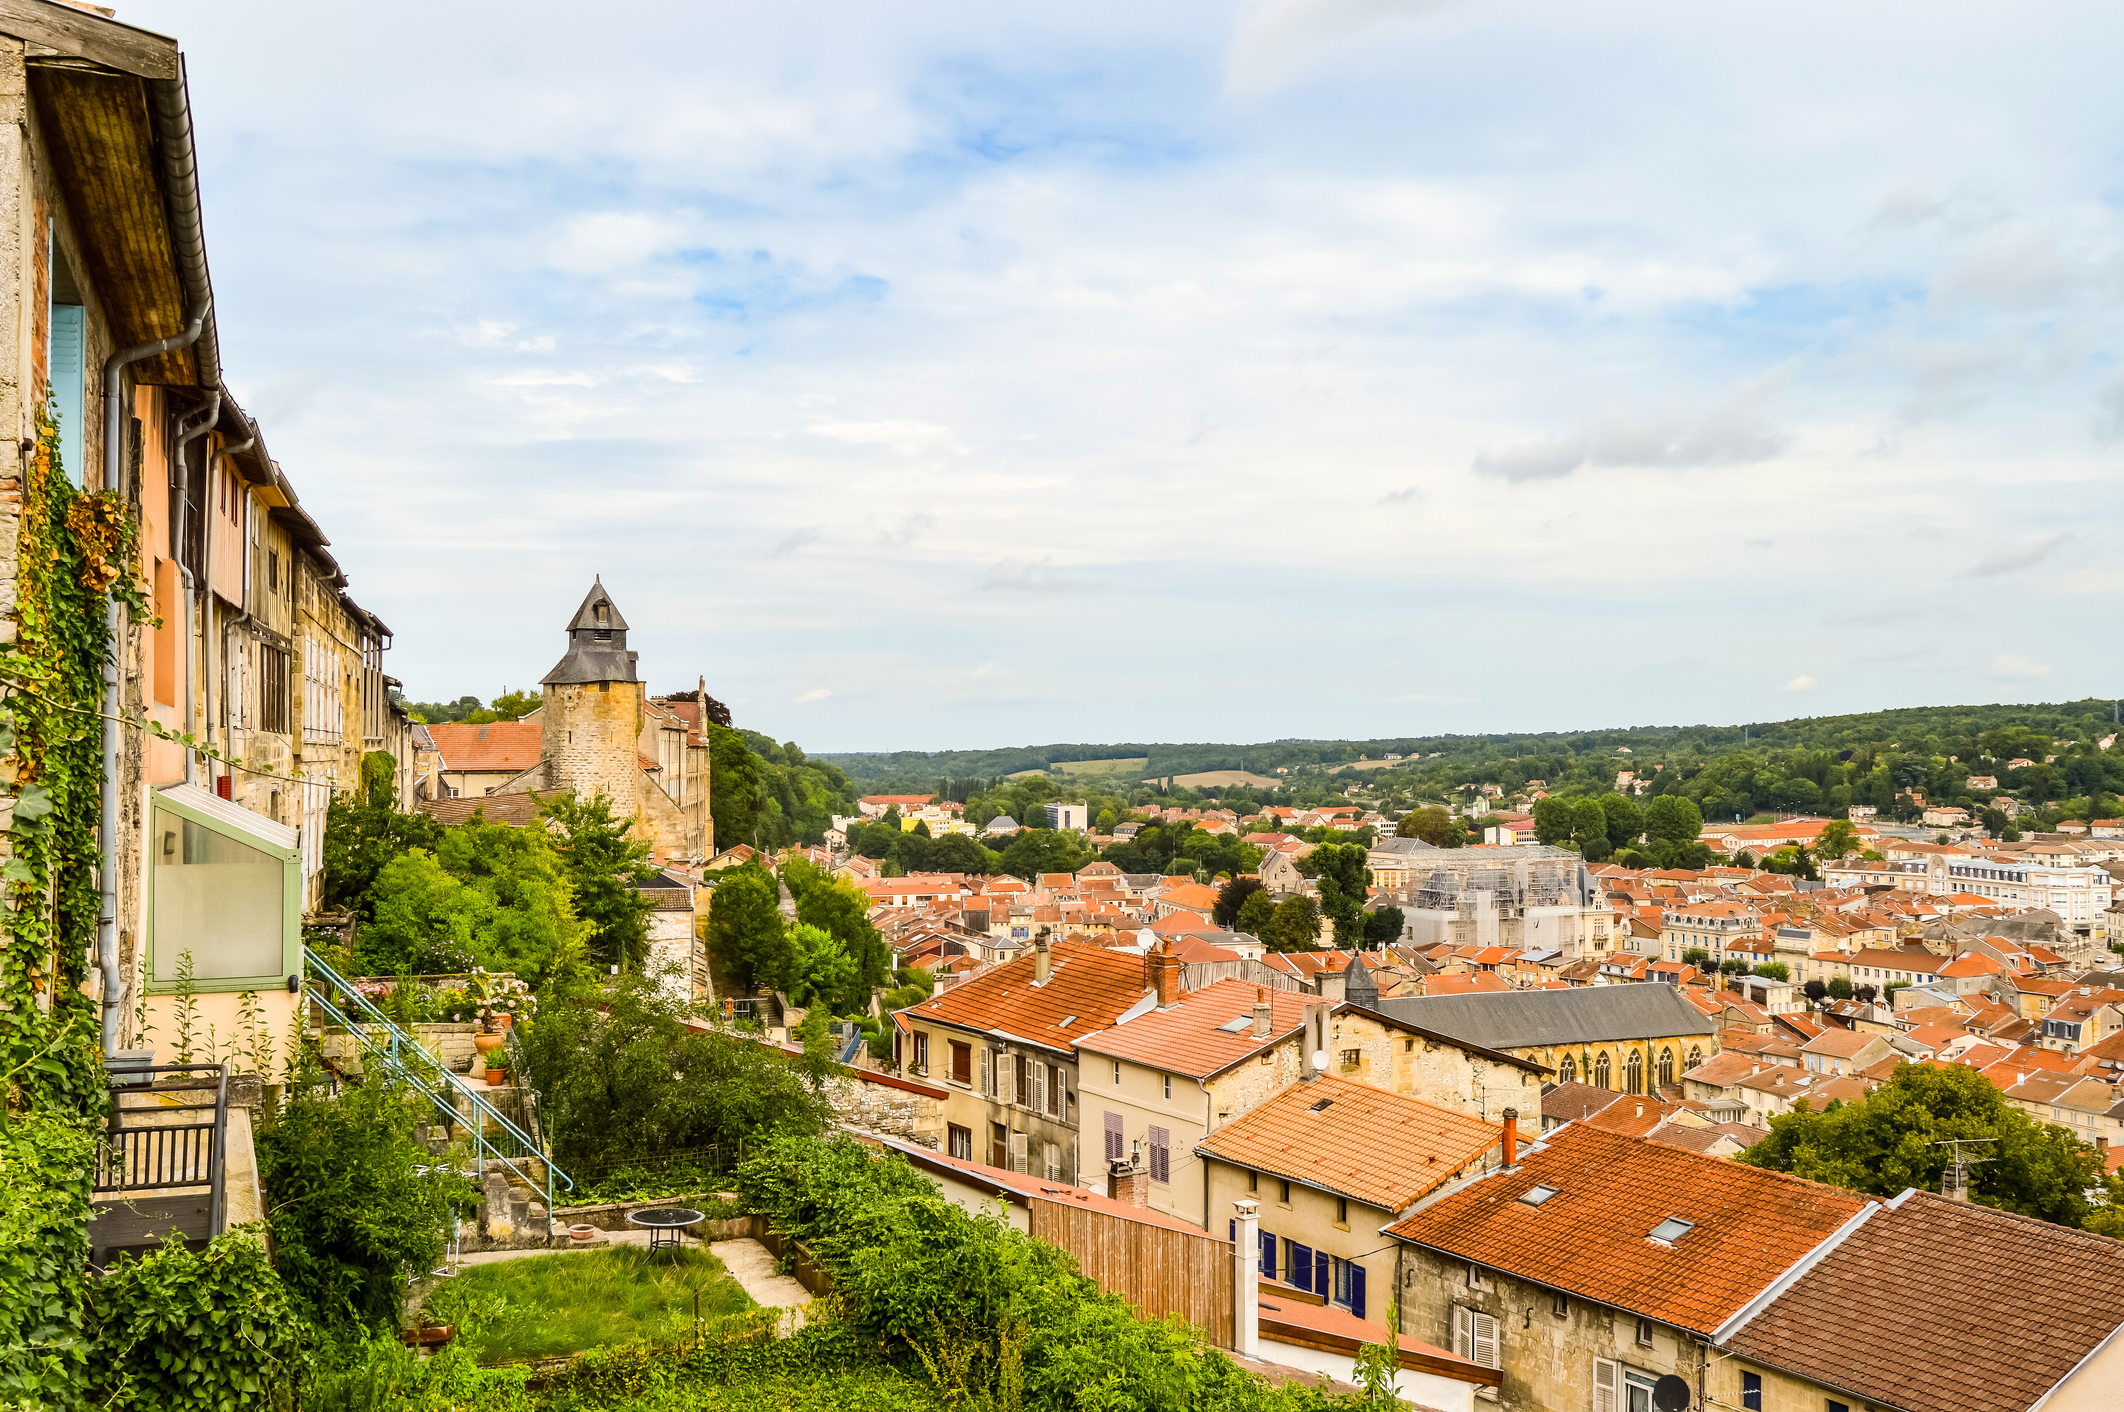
(510, 1144)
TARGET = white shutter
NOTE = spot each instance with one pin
(1607, 1385)
(1017, 1153)
(988, 1075)
(1463, 1332)
(1039, 1083)
(1486, 1348)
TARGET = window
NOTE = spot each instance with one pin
(1834, 1406)
(1644, 1333)
(1115, 1150)
(1666, 1068)
(1634, 1080)
(1057, 1092)
(1538, 1193)
(1567, 1071)
(68, 373)
(1283, 1192)
(1342, 1211)
(1474, 1275)
(1020, 1079)
(1672, 1229)
(273, 570)
(1696, 1057)
(1475, 1337)
(228, 894)
(1348, 1279)
(1600, 1072)
(998, 1145)
(1560, 1305)
(961, 1063)
(1351, 1058)
(1161, 1154)
(272, 690)
(921, 1060)
(1752, 1392)
(961, 1143)
(1117, 1073)
(1168, 1085)
(1253, 1181)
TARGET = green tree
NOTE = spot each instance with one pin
(733, 789)
(605, 865)
(1555, 820)
(1889, 1142)
(490, 895)
(747, 938)
(1383, 926)
(1774, 970)
(1294, 927)
(1836, 839)
(1625, 819)
(1432, 823)
(1232, 897)
(1256, 914)
(836, 907)
(1673, 818)
(1698, 957)
(364, 830)
(825, 975)
(515, 705)
(1339, 870)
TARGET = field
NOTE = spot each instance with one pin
(1091, 767)
(1207, 778)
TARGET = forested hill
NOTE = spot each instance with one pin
(1917, 730)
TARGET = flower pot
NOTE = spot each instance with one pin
(581, 1232)
(427, 1335)
(506, 1021)
(497, 1077)
(488, 1043)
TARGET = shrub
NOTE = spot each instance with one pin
(353, 1200)
(45, 1165)
(208, 1330)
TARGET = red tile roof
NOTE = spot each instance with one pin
(1943, 1306)
(1593, 1237)
(501, 745)
(1090, 986)
(1384, 1149)
(1186, 1038)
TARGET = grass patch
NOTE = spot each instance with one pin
(541, 1306)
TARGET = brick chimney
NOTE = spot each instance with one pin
(1263, 1013)
(1165, 974)
(1042, 965)
(1129, 1182)
(1511, 1137)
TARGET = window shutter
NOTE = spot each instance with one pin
(1302, 1266)
(1269, 1267)
(1039, 1081)
(988, 1071)
(1357, 1290)
(1464, 1336)
(1113, 1137)
(1321, 1286)
(1017, 1152)
(1486, 1349)
(1161, 1154)
(1607, 1382)
(1232, 1229)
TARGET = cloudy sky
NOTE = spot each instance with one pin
(941, 375)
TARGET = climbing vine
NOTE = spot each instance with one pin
(73, 550)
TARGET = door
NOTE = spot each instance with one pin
(998, 1145)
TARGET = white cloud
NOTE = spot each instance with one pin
(795, 540)
(1034, 576)
(907, 438)
(2011, 666)
(1730, 433)
(1406, 495)
(1803, 684)
(2025, 555)
(810, 696)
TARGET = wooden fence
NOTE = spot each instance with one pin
(1194, 975)
(1160, 1271)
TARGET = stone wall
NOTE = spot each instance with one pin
(882, 1108)
(589, 741)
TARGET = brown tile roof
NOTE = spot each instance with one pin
(1186, 1039)
(1384, 1149)
(1090, 983)
(1560, 1103)
(517, 809)
(1911, 1309)
(1593, 1237)
(501, 745)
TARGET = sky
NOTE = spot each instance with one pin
(940, 375)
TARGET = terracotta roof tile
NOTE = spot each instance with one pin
(1188, 1038)
(1593, 1237)
(1384, 1149)
(500, 745)
(1090, 983)
(1910, 1309)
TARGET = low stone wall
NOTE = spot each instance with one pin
(808, 1272)
(884, 1108)
(614, 1217)
(452, 1044)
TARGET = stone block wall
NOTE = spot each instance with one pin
(882, 1108)
(590, 741)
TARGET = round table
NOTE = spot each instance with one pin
(666, 1225)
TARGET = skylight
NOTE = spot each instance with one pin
(1672, 1229)
(1535, 1195)
(1323, 1103)
(1234, 1026)
(1065, 1022)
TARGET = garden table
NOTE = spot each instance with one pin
(666, 1225)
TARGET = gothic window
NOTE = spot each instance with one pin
(1636, 1072)
(1696, 1057)
(1567, 1071)
(1600, 1072)
(1666, 1068)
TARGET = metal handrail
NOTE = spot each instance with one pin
(387, 1048)
(218, 1150)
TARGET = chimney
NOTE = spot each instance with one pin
(1246, 1280)
(1165, 968)
(1042, 967)
(1511, 1138)
(1312, 1057)
(1262, 1012)
(1128, 1182)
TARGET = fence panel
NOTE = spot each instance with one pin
(1159, 1271)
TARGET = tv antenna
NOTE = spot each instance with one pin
(1954, 1182)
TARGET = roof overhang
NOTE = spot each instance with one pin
(206, 807)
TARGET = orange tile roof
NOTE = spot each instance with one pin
(501, 745)
(1593, 1237)
(1185, 1039)
(1384, 1149)
(1090, 983)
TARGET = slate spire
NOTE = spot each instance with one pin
(597, 644)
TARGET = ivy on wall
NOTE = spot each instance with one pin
(73, 550)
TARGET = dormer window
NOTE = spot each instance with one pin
(604, 622)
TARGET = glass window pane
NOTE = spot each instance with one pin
(218, 898)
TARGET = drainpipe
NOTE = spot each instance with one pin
(206, 547)
(180, 179)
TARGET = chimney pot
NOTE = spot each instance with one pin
(1511, 1137)
(1042, 966)
(1166, 972)
(1263, 1012)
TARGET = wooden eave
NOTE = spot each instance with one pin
(101, 142)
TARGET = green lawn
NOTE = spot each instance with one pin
(540, 1306)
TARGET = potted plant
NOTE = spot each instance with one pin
(496, 1075)
(479, 992)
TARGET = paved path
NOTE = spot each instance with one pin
(752, 1265)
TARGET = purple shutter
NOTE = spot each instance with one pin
(1113, 1137)
(1268, 1255)
(1357, 1289)
(1321, 1286)
(1302, 1266)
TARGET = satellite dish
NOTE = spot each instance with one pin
(1320, 1058)
(1670, 1394)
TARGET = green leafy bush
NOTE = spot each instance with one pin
(46, 1162)
(197, 1331)
(518, 1309)
(350, 1205)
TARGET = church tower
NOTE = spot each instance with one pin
(591, 725)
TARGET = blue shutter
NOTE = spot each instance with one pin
(1268, 1255)
(67, 363)
(1234, 1236)
(1321, 1286)
(1302, 1266)
(1357, 1290)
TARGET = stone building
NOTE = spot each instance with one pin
(1630, 1038)
(600, 732)
(1528, 896)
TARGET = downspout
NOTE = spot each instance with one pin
(191, 588)
(180, 182)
